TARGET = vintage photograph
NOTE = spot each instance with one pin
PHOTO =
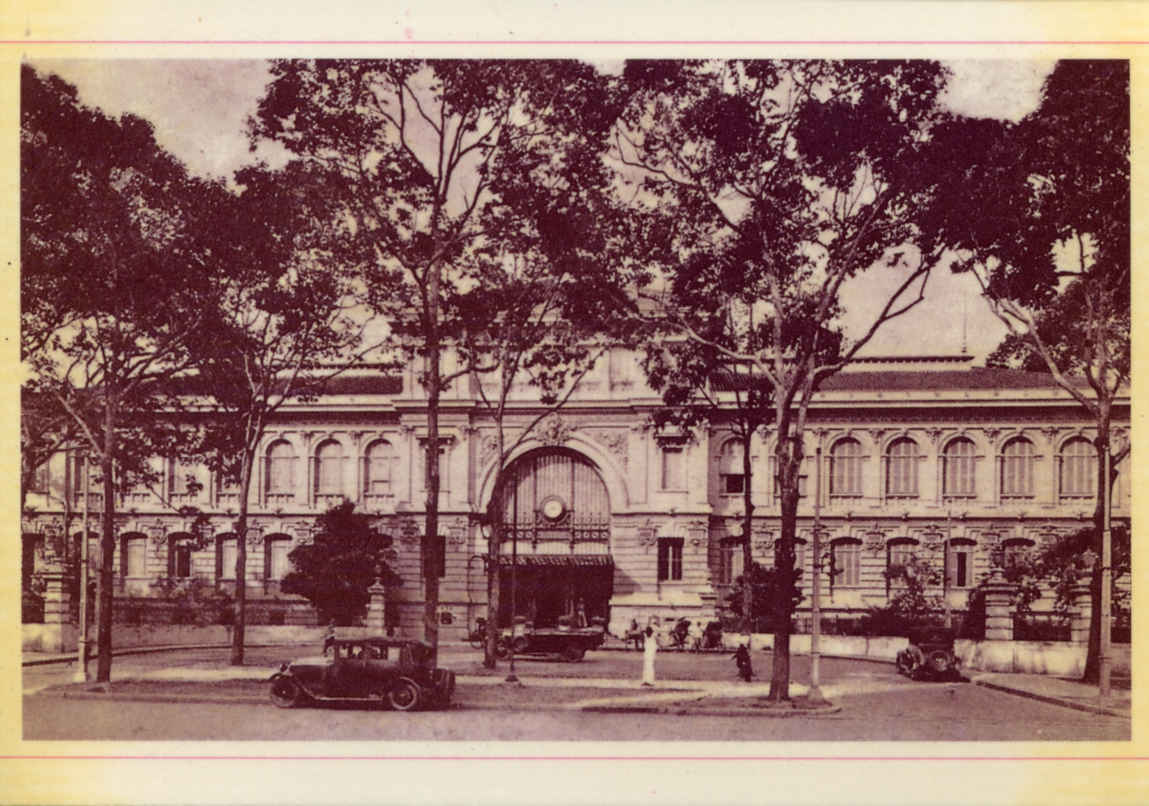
(558, 400)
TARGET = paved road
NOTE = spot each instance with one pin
(945, 712)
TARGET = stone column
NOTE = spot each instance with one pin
(57, 619)
(999, 595)
(376, 613)
(1080, 613)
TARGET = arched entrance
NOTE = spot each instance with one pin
(556, 520)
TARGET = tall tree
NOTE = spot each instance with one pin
(282, 324)
(113, 269)
(1042, 218)
(422, 149)
(772, 184)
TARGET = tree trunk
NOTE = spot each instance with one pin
(1093, 648)
(107, 548)
(748, 613)
(239, 616)
(494, 545)
(788, 455)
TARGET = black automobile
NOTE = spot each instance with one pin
(930, 655)
(391, 671)
(569, 643)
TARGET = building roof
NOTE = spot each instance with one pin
(974, 378)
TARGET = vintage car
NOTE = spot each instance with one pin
(394, 671)
(930, 655)
(570, 644)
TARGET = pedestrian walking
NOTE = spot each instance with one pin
(649, 650)
(742, 659)
(695, 633)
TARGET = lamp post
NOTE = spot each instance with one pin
(511, 676)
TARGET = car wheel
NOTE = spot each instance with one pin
(502, 648)
(905, 662)
(520, 644)
(285, 692)
(939, 661)
(573, 654)
(404, 695)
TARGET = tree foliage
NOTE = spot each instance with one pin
(114, 269)
(762, 582)
(764, 188)
(447, 168)
(334, 570)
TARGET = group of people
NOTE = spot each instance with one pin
(648, 639)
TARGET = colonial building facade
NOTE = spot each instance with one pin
(959, 466)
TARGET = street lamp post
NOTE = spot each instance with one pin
(511, 676)
(1104, 666)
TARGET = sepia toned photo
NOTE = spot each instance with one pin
(540, 400)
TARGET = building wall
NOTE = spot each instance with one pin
(608, 422)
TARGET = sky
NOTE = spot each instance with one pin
(199, 108)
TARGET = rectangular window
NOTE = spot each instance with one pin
(733, 483)
(669, 559)
(959, 567)
(673, 469)
(181, 560)
(277, 563)
(847, 564)
(40, 479)
(802, 485)
(227, 555)
(732, 562)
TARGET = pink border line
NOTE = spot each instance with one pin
(611, 42)
(572, 758)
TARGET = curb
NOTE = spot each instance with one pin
(671, 710)
(1099, 710)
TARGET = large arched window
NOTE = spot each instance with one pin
(1016, 551)
(958, 477)
(281, 468)
(377, 468)
(1078, 469)
(900, 554)
(1017, 469)
(846, 468)
(902, 468)
(556, 495)
(134, 555)
(329, 468)
(731, 478)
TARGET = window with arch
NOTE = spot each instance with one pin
(845, 562)
(225, 557)
(180, 556)
(846, 468)
(899, 554)
(959, 563)
(1015, 551)
(902, 468)
(377, 468)
(134, 555)
(281, 468)
(329, 468)
(958, 476)
(1017, 468)
(276, 565)
(1078, 469)
(732, 480)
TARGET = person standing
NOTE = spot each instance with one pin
(649, 650)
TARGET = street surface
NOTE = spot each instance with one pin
(877, 704)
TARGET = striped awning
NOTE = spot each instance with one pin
(559, 561)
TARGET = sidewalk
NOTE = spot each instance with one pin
(1058, 691)
(671, 696)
